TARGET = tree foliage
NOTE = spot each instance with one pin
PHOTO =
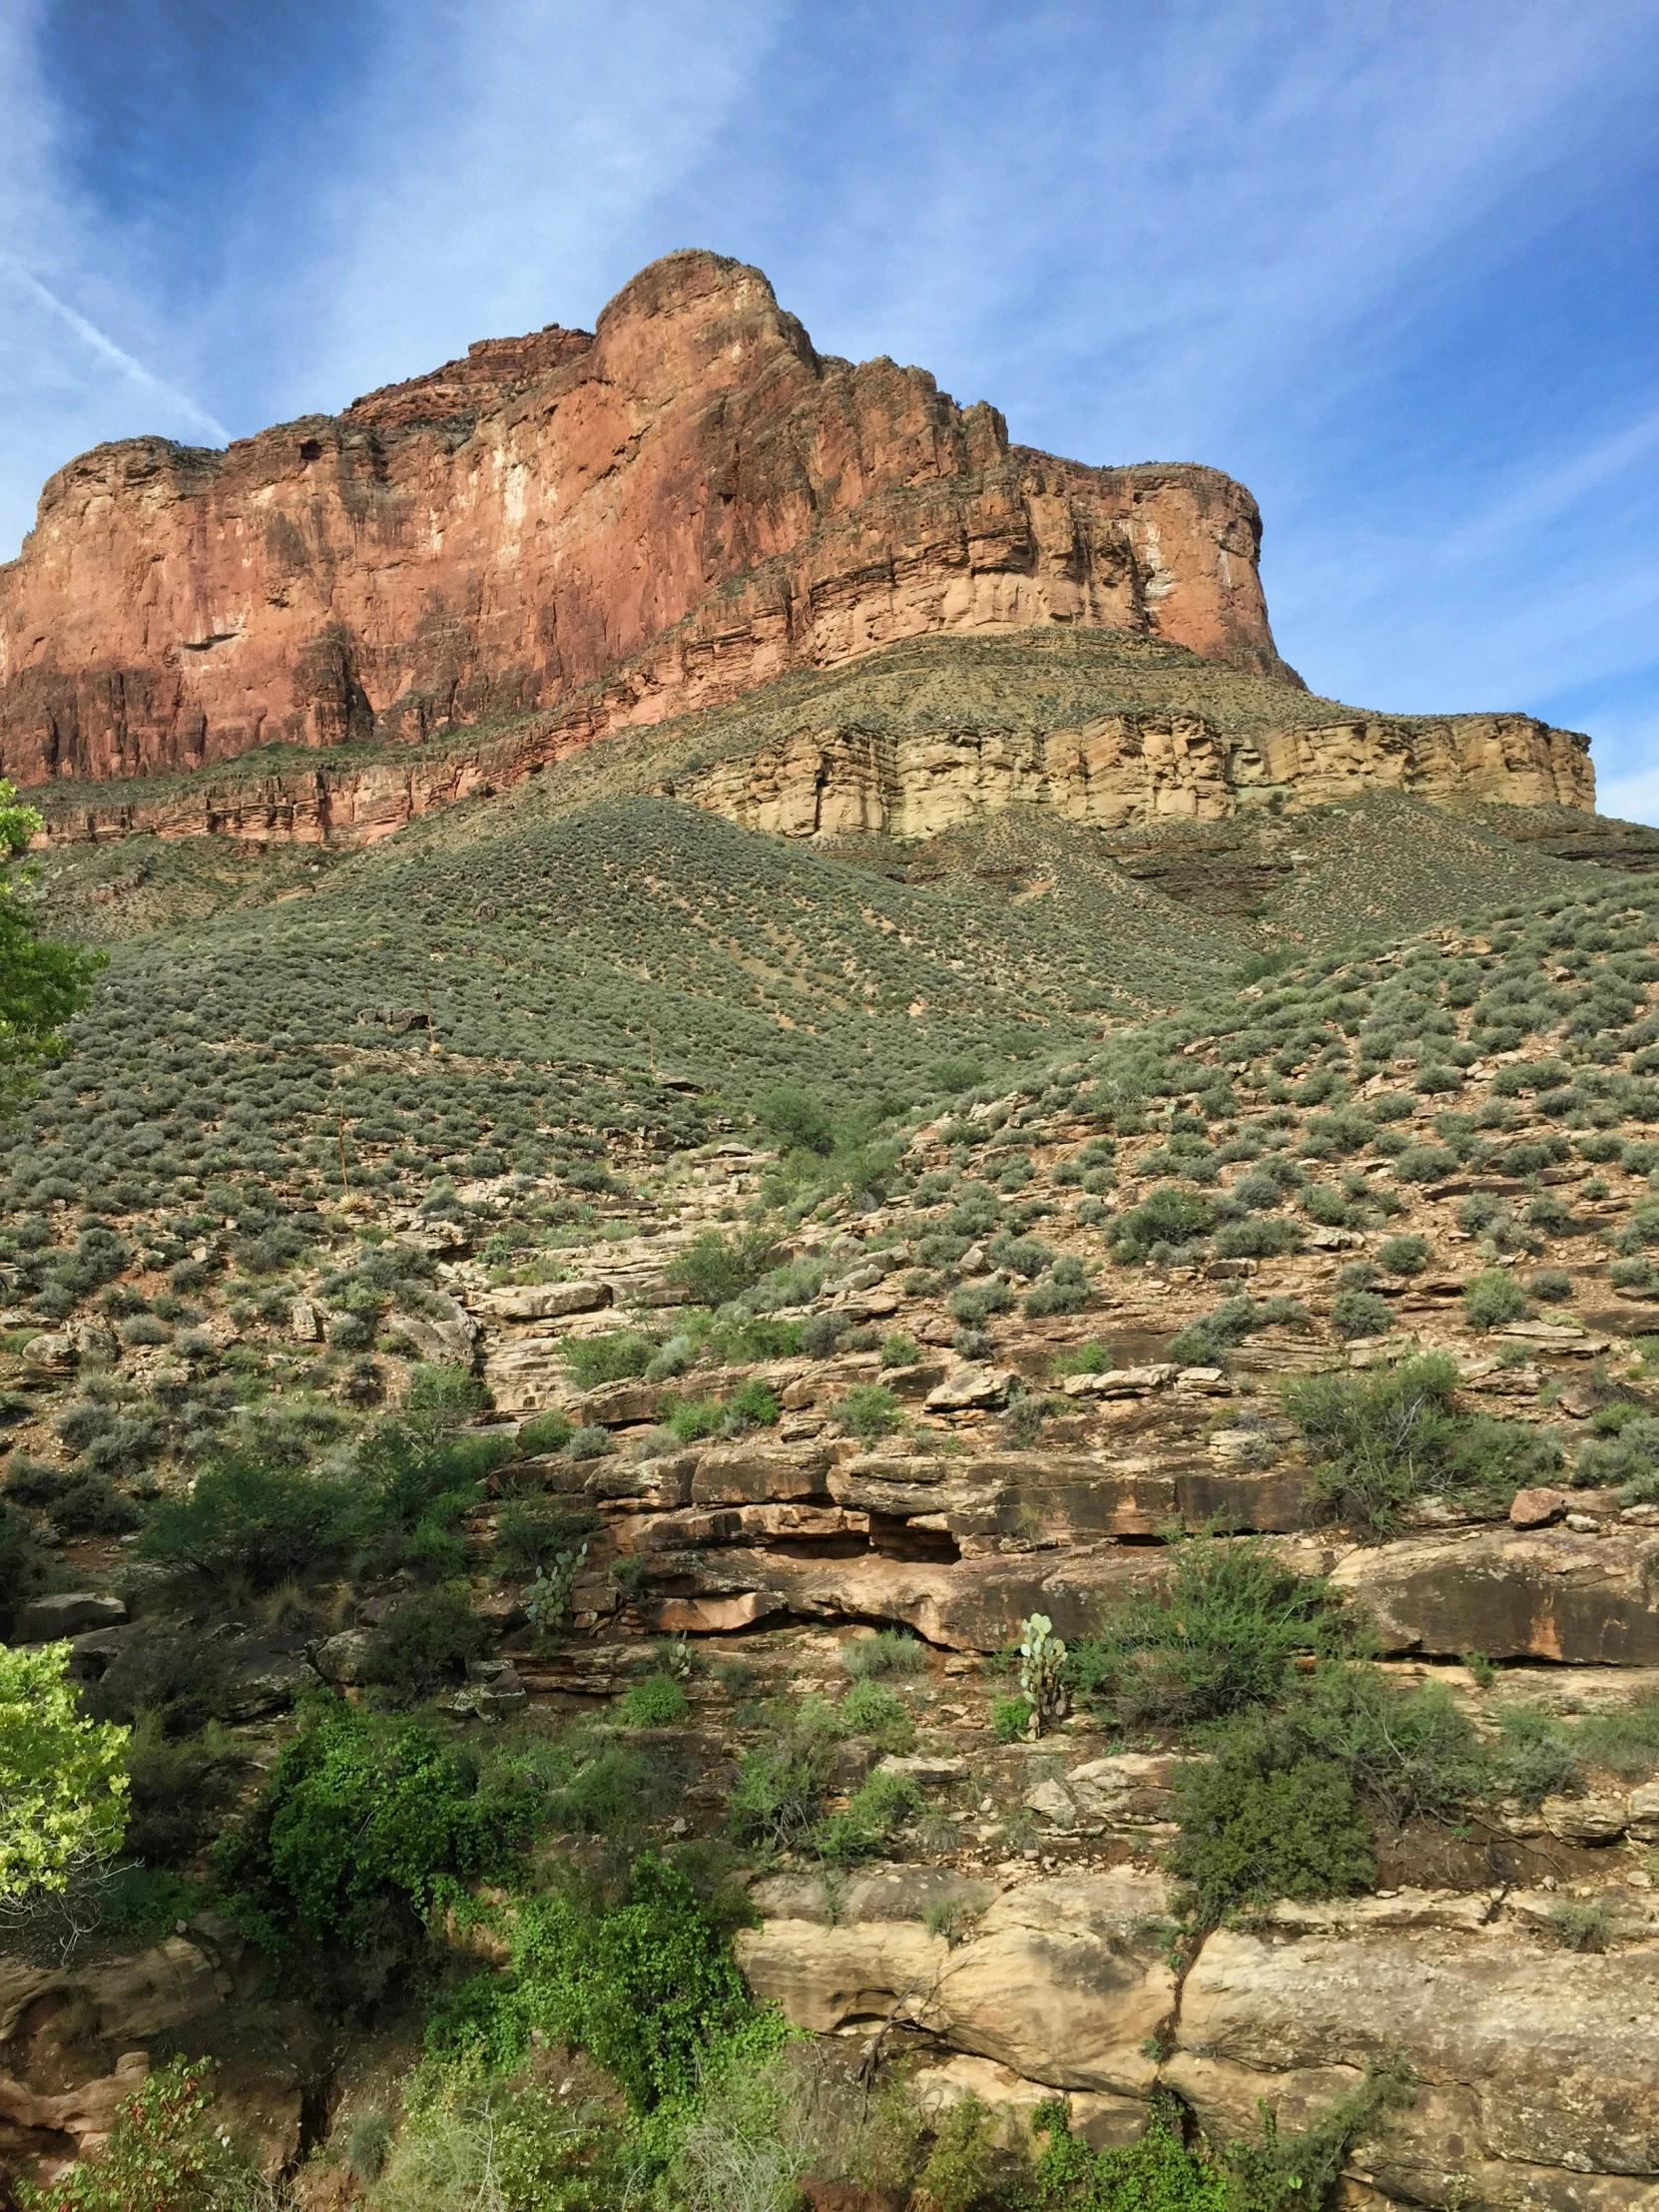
(63, 1780)
(41, 982)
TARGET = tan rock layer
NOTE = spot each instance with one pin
(1133, 768)
(692, 494)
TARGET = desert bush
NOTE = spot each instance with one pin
(1251, 1831)
(714, 1268)
(889, 1651)
(1223, 1636)
(365, 1827)
(530, 1536)
(1358, 1312)
(657, 1702)
(1256, 1240)
(642, 1981)
(866, 1828)
(253, 1522)
(1492, 1298)
(1063, 1289)
(1378, 1439)
(425, 1642)
(868, 1410)
(613, 1358)
(871, 1709)
(545, 1432)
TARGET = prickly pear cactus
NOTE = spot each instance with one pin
(1042, 1673)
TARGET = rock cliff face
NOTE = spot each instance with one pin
(658, 516)
(1133, 770)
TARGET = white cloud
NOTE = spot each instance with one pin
(503, 170)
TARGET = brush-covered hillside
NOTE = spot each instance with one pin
(841, 1519)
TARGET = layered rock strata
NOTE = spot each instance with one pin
(669, 511)
(1132, 769)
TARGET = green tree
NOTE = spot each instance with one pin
(63, 1780)
(41, 982)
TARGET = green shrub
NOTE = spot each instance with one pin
(1251, 1832)
(591, 1441)
(695, 1419)
(1092, 1358)
(974, 1301)
(1582, 1923)
(1625, 1739)
(752, 1401)
(179, 1785)
(865, 1830)
(1378, 1439)
(871, 1709)
(1360, 1314)
(1533, 1757)
(1161, 2172)
(425, 1643)
(889, 1651)
(798, 1118)
(255, 1523)
(1224, 1636)
(1010, 1717)
(1553, 1285)
(643, 1982)
(1424, 1163)
(164, 2154)
(363, 1828)
(869, 1411)
(899, 1350)
(530, 1536)
(1166, 1216)
(1492, 1298)
(1063, 1289)
(613, 1358)
(714, 1268)
(1256, 1240)
(446, 1395)
(657, 1702)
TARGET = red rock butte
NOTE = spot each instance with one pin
(619, 526)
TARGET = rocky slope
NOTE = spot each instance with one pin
(623, 526)
(992, 1371)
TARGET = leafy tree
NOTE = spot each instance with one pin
(41, 982)
(63, 1780)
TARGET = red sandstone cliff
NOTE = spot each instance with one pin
(683, 504)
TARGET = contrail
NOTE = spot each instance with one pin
(90, 335)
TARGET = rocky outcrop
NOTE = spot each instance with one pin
(1534, 2066)
(1133, 770)
(655, 517)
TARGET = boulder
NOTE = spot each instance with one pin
(305, 1324)
(543, 1300)
(1550, 1593)
(1538, 2067)
(70, 1613)
(969, 1387)
(1536, 1508)
(49, 1352)
(1061, 1979)
(754, 1474)
(1586, 1819)
(618, 1404)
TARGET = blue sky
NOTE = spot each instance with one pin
(1393, 266)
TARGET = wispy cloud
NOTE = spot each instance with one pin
(1340, 251)
(176, 402)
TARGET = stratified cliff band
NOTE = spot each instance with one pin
(672, 510)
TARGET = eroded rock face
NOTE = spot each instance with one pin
(1132, 769)
(683, 504)
(1536, 2067)
(1061, 1981)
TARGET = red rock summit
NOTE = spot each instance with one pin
(622, 526)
